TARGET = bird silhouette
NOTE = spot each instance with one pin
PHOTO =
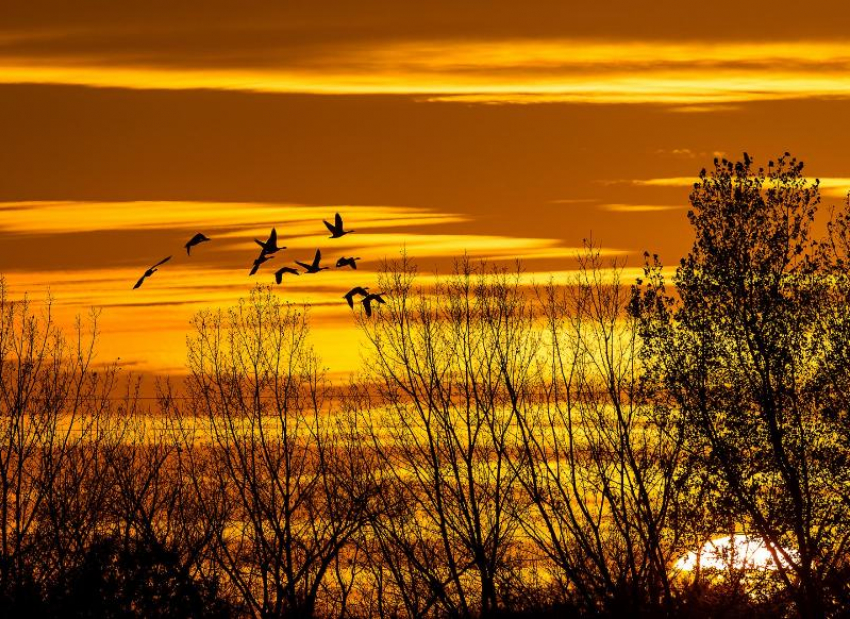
(336, 228)
(150, 272)
(278, 276)
(263, 257)
(314, 267)
(270, 246)
(367, 302)
(195, 240)
(349, 296)
(347, 262)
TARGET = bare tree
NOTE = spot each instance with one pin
(52, 406)
(268, 466)
(598, 465)
(442, 429)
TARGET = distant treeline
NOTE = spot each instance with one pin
(507, 449)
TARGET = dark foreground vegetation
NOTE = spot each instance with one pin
(507, 450)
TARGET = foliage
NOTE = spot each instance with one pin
(743, 349)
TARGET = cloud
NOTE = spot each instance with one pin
(830, 186)
(619, 207)
(691, 76)
(676, 181)
(58, 217)
(638, 208)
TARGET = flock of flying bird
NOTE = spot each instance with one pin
(270, 247)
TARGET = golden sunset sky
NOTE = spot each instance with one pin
(502, 129)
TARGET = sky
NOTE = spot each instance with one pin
(502, 130)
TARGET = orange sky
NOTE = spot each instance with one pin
(502, 129)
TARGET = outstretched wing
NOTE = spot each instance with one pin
(161, 262)
(317, 258)
(338, 221)
(368, 307)
(303, 265)
(139, 283)
(278, 276)
(329, 226)
(273, 238)
(190, 243)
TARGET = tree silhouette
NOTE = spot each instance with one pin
(446, 525)
(264, 460)
(601, 474)
(743, 347)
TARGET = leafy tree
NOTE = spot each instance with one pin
(744, 347)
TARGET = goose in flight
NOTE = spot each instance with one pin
(336, 228)
(270, 246)
(195, 240)
(349, 296)
(150, 272)
(367, 302)
(314, 267)
(263, 257)
(278, 276)
(347, 262)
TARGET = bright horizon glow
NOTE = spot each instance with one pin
(147, 327)
(739, 552)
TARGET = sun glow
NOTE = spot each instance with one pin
(735, 552)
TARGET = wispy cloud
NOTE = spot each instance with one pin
(618, 207)
(503, 71)
(638, 208)
(831, 186)
(66, 216)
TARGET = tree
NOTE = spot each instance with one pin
(599, 467)
(744, 347)
(441, 430)
(282, 490)
(53, 407)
